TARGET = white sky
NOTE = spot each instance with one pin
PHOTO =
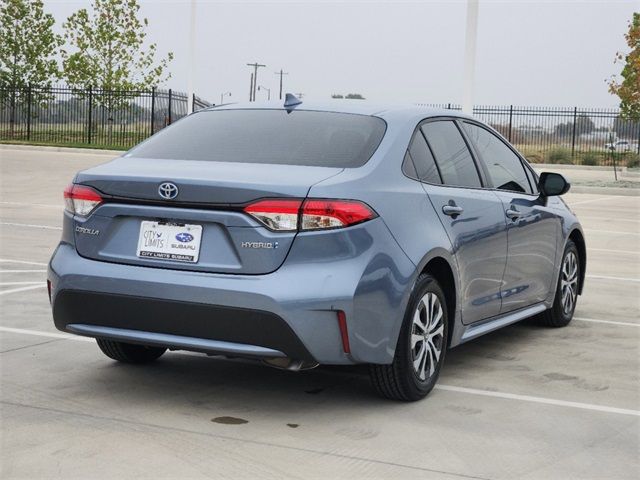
(556, 53)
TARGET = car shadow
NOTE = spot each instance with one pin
(235, 388)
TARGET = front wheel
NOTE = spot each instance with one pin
(561, 313)
(421, 347)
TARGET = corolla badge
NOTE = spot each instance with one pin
(168, 190)
(184, 237)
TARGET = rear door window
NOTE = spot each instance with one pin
(505, 167)
(307, 138)
(451, 153)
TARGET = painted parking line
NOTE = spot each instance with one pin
(582, 202)
(23, 289)
(6, 284)
(40, 333)
(22, 271)
(447, 388)
(609, 250)
(30, 225)
(584, 217)
(608, 322)
(22, 262)
(612, 232)
(542, 400)
(43, 205)
(617, 279)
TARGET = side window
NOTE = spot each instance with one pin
(505, 167)
(425, 166)
(408, 168)
(452, 155)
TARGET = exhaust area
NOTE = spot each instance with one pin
(290, 364)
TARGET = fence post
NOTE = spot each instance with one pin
(90, 114)
(193, 102)
(153, 107)
(449, 106)
(169, 113)
(573, 136)
(29, 112)
(510, 121)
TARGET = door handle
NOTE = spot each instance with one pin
(452, 210)
(513, 214)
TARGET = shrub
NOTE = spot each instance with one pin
(591, 158)
(559, 155)
(534, 157)
(633, 161)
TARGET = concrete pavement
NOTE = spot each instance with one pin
(524, 402)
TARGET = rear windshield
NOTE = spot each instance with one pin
(302, 137)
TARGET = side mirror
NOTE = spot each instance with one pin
(552, 184)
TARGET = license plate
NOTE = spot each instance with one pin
(169, 241)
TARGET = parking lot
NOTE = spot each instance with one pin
(524, 402)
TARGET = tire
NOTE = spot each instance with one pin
(564, 304)
(401, 380)
(129, 353)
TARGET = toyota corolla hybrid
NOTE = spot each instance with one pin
(315, 233)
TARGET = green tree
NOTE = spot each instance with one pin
(107, 48)
(28, 47)
(628, 90)
(28, 44)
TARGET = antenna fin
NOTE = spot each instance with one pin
(290, 100)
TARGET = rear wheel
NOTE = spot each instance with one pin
(421, 346)
(129, 353)
(561, 313)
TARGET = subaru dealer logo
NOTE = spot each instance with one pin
(184, 237)
(168, 190)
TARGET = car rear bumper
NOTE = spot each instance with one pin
(183, 325)
(292, 312)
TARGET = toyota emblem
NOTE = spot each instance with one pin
(168, 190)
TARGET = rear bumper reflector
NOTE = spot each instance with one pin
(344, 332)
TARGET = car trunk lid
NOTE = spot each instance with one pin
(206, 214)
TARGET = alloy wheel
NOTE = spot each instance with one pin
(569, 282)
(427, 335)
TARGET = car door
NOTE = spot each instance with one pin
(471, 215)
(532, 228)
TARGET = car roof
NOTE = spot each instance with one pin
(397, 111)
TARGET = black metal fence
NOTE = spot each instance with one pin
(97, 117)
(563, 134)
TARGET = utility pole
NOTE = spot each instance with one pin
(281, 73)
(192, 56)
(470, 56)
(251, 88)
(254, 82)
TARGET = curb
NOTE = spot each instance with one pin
(42, 148)
(560, 166)
(627, 192)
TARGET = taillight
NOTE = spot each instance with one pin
(320, 214)
(280, 215)
(81, 200)
(312, 214)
